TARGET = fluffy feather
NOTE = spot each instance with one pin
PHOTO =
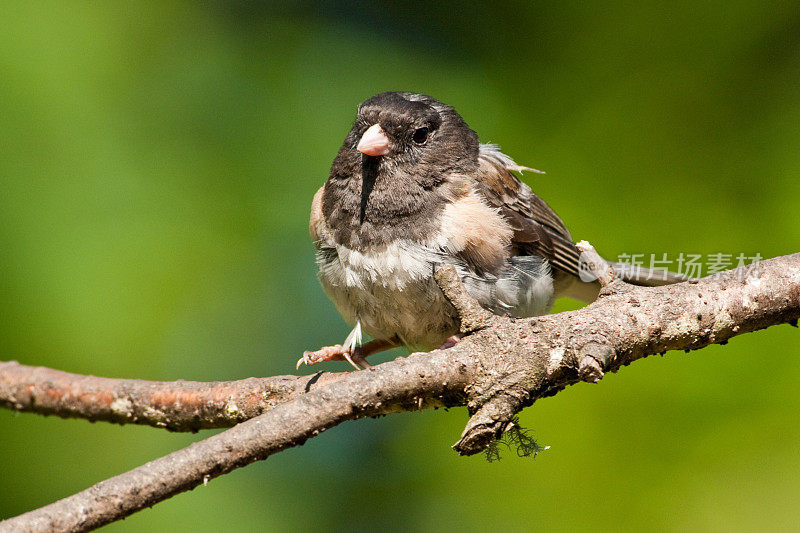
(383, 224)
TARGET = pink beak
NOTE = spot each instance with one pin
(374, 142)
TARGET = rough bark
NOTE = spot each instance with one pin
(172, 405)
(501, 367)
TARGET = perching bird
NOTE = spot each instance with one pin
(412, 189)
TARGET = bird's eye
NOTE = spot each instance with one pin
(420, 135)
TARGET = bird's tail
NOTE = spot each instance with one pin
(585, 287)
(647, 277)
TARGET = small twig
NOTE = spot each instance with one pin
(488, 424)
(473, 317)
(598, 266)
(491, 410)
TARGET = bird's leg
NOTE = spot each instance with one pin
(451, 341)
(356, 356)
(327, 353)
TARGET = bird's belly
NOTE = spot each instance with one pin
(391, 292)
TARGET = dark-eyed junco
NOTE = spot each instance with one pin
(411, 189)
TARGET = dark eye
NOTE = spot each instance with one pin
(420, 135)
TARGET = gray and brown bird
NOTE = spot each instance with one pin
(412, 189)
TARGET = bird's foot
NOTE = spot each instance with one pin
(334, 353)
(451, 341)
(356, 356)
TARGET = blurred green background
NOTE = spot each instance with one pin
(157, 164)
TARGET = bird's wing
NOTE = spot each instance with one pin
(317, 227)
(537, 229)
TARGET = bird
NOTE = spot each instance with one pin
(412, 189)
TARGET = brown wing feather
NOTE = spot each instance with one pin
(316, 224)
(537, 229)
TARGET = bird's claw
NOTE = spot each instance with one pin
(333, 353)
(451, 341)
(328, 353)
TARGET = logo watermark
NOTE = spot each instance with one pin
(659, 266)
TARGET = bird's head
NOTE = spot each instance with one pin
(409, 137)
(402, 151)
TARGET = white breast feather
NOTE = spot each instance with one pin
(390, 290)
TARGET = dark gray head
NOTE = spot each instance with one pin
(422, 133)
(401, 149)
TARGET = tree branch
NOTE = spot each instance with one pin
(173, 405)
(401, 385)
(505, 365)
